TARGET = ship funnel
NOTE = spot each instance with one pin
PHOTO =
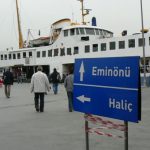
(94, 21)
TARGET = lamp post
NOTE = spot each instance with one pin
(144, 62)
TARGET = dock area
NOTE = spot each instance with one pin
(22, 128)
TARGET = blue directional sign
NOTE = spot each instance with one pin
(108, 87)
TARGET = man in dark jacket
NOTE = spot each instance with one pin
(8, 81)
(55, 79)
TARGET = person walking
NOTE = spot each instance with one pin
(8, 80)
(55, 79)
(1, 82)
(19, 76)
(68, 84)
(39, 85)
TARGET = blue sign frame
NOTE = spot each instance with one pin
(108, 87)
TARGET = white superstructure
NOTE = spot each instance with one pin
(77, 41)
(71, 40)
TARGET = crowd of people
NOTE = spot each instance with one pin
(40, 85)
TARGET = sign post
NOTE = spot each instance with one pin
(86, 134)
(108, 87)
(126, 136)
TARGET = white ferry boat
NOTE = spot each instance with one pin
(69, 41)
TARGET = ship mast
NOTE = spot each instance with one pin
(84, 12)
(19, 27)
(82, 9)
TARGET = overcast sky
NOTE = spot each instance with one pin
(113, 15)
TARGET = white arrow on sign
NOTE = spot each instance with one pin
(83, 99)
(81, 71)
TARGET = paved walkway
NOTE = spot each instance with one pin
(22, 128)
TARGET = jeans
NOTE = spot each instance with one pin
(7, 90)
(55, 88)
(19, 79)
(70, 101)
(36, 99)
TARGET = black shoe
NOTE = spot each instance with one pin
(41, 110)
(37, 109)
(8, 96)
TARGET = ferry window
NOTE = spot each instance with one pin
(95, 47)
(72, 32)
(100, 31)
(82, 31)
(14, 56)
(112, 45)
(85, 38)
(140, 42)
(24, 54)
(97, 31)
(1, 57)
(87, 48)
(121, 44)
(18, 56)
(131, 43)
(69, 51)
(109, 35)
(9, 56)
(43, 53)
(5, 56)
(104, 33)
(77, 31)
(49, 53)
(38, 54)
(89, 31)
(76, 50)
(55, 52)
(30, 54)
(62, 51)
(65, 32)
(103, 46)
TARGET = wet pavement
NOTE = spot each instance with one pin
(22, 128)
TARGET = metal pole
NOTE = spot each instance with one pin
(126, 136)
(144, 62)
(86, 135)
